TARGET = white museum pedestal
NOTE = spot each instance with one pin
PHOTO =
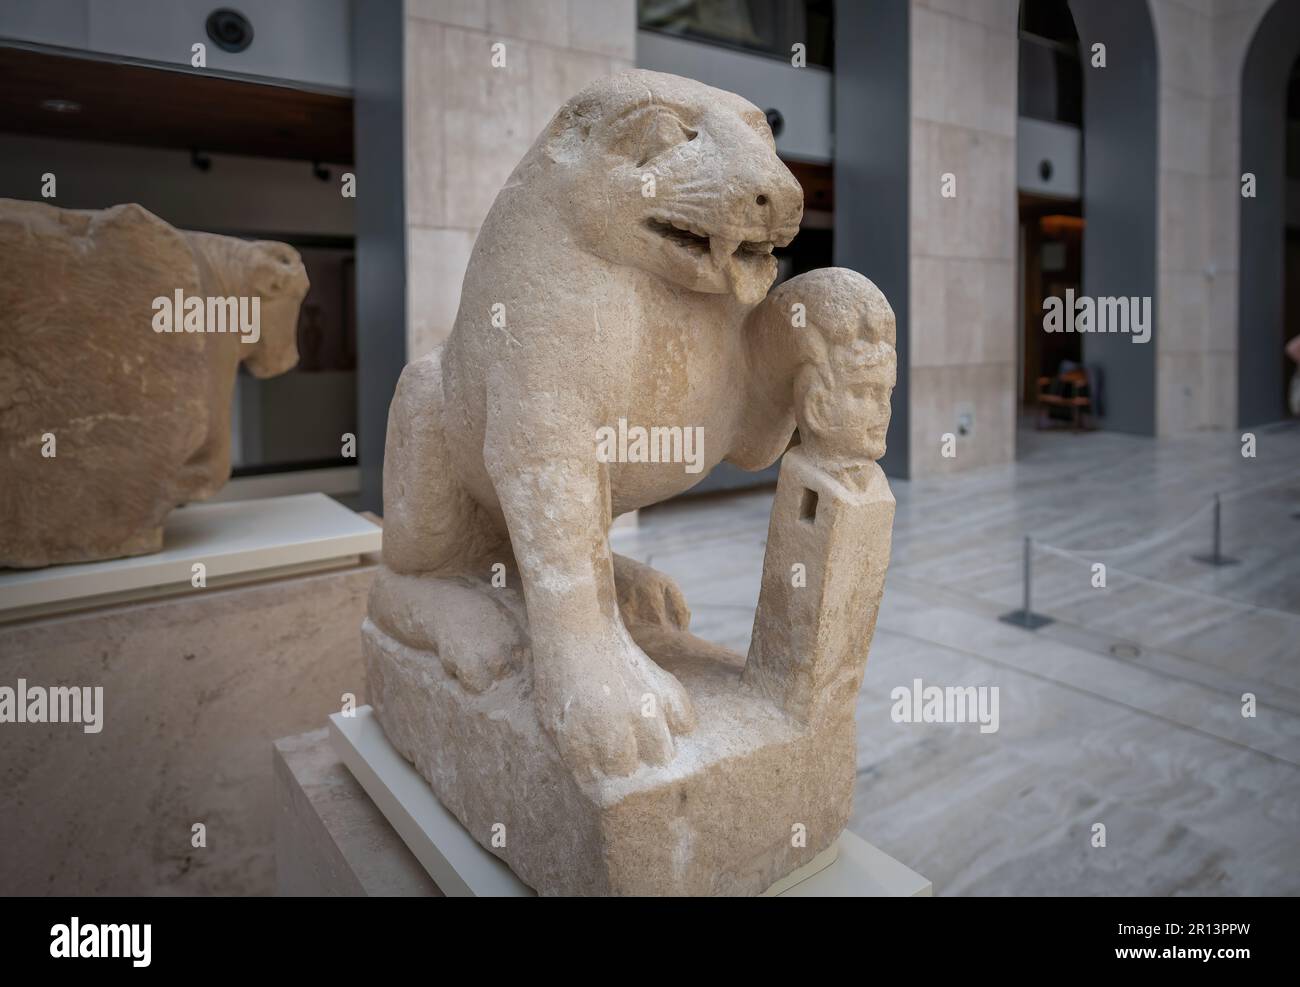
(237, 542)
(196, 683)
(355, 818)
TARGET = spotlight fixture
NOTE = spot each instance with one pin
(229, 29)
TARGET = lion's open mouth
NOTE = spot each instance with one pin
(680, 235)
(718, 262)
(700, 242)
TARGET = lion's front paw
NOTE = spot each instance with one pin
(610, 709)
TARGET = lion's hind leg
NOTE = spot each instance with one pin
(475, 630)
(431, 522)
(647, 596)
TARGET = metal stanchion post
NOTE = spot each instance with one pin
(1216, 557)
(1025, 617)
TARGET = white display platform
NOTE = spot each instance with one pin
(237, 542)
(462, 868)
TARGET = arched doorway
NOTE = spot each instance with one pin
(1049, 136)
(1101, 240)
(1268, 249)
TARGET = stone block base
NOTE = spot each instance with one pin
(750, 796)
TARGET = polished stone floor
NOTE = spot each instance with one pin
(1127, 711)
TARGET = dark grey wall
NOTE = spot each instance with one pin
(1120, 160)
(1261, 369)
(872, 147)
(377, 43)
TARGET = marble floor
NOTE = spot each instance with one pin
(1127, 711)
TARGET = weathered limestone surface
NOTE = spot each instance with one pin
(140, 419)
(548, 689)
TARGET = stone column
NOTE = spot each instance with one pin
(963, 331)
(824, 570)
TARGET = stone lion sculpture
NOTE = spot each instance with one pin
(546, 685)
(107, 423)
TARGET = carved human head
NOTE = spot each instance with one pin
(848, 370)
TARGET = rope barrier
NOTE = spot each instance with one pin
(1186, 591)
(1025, 617)
(1165, 533)
(1155, 539)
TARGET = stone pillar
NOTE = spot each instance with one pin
(1201, 55)
(962, 326)
(823, 573)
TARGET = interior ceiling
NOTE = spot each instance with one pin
(125, 103)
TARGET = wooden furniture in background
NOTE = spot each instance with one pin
(1071, 392)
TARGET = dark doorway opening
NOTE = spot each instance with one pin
(1051, 230)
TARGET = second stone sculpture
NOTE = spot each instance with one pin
(118, 356)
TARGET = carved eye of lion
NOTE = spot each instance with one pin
(654, 133)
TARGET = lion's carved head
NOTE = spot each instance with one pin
(673, 177)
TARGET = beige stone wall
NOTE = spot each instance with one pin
(196, 689)
(963, 331)
(1202, 48)
(468, 123)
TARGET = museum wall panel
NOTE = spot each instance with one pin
(468, 121)
(962, 252)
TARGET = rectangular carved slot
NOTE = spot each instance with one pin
(808, 508)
